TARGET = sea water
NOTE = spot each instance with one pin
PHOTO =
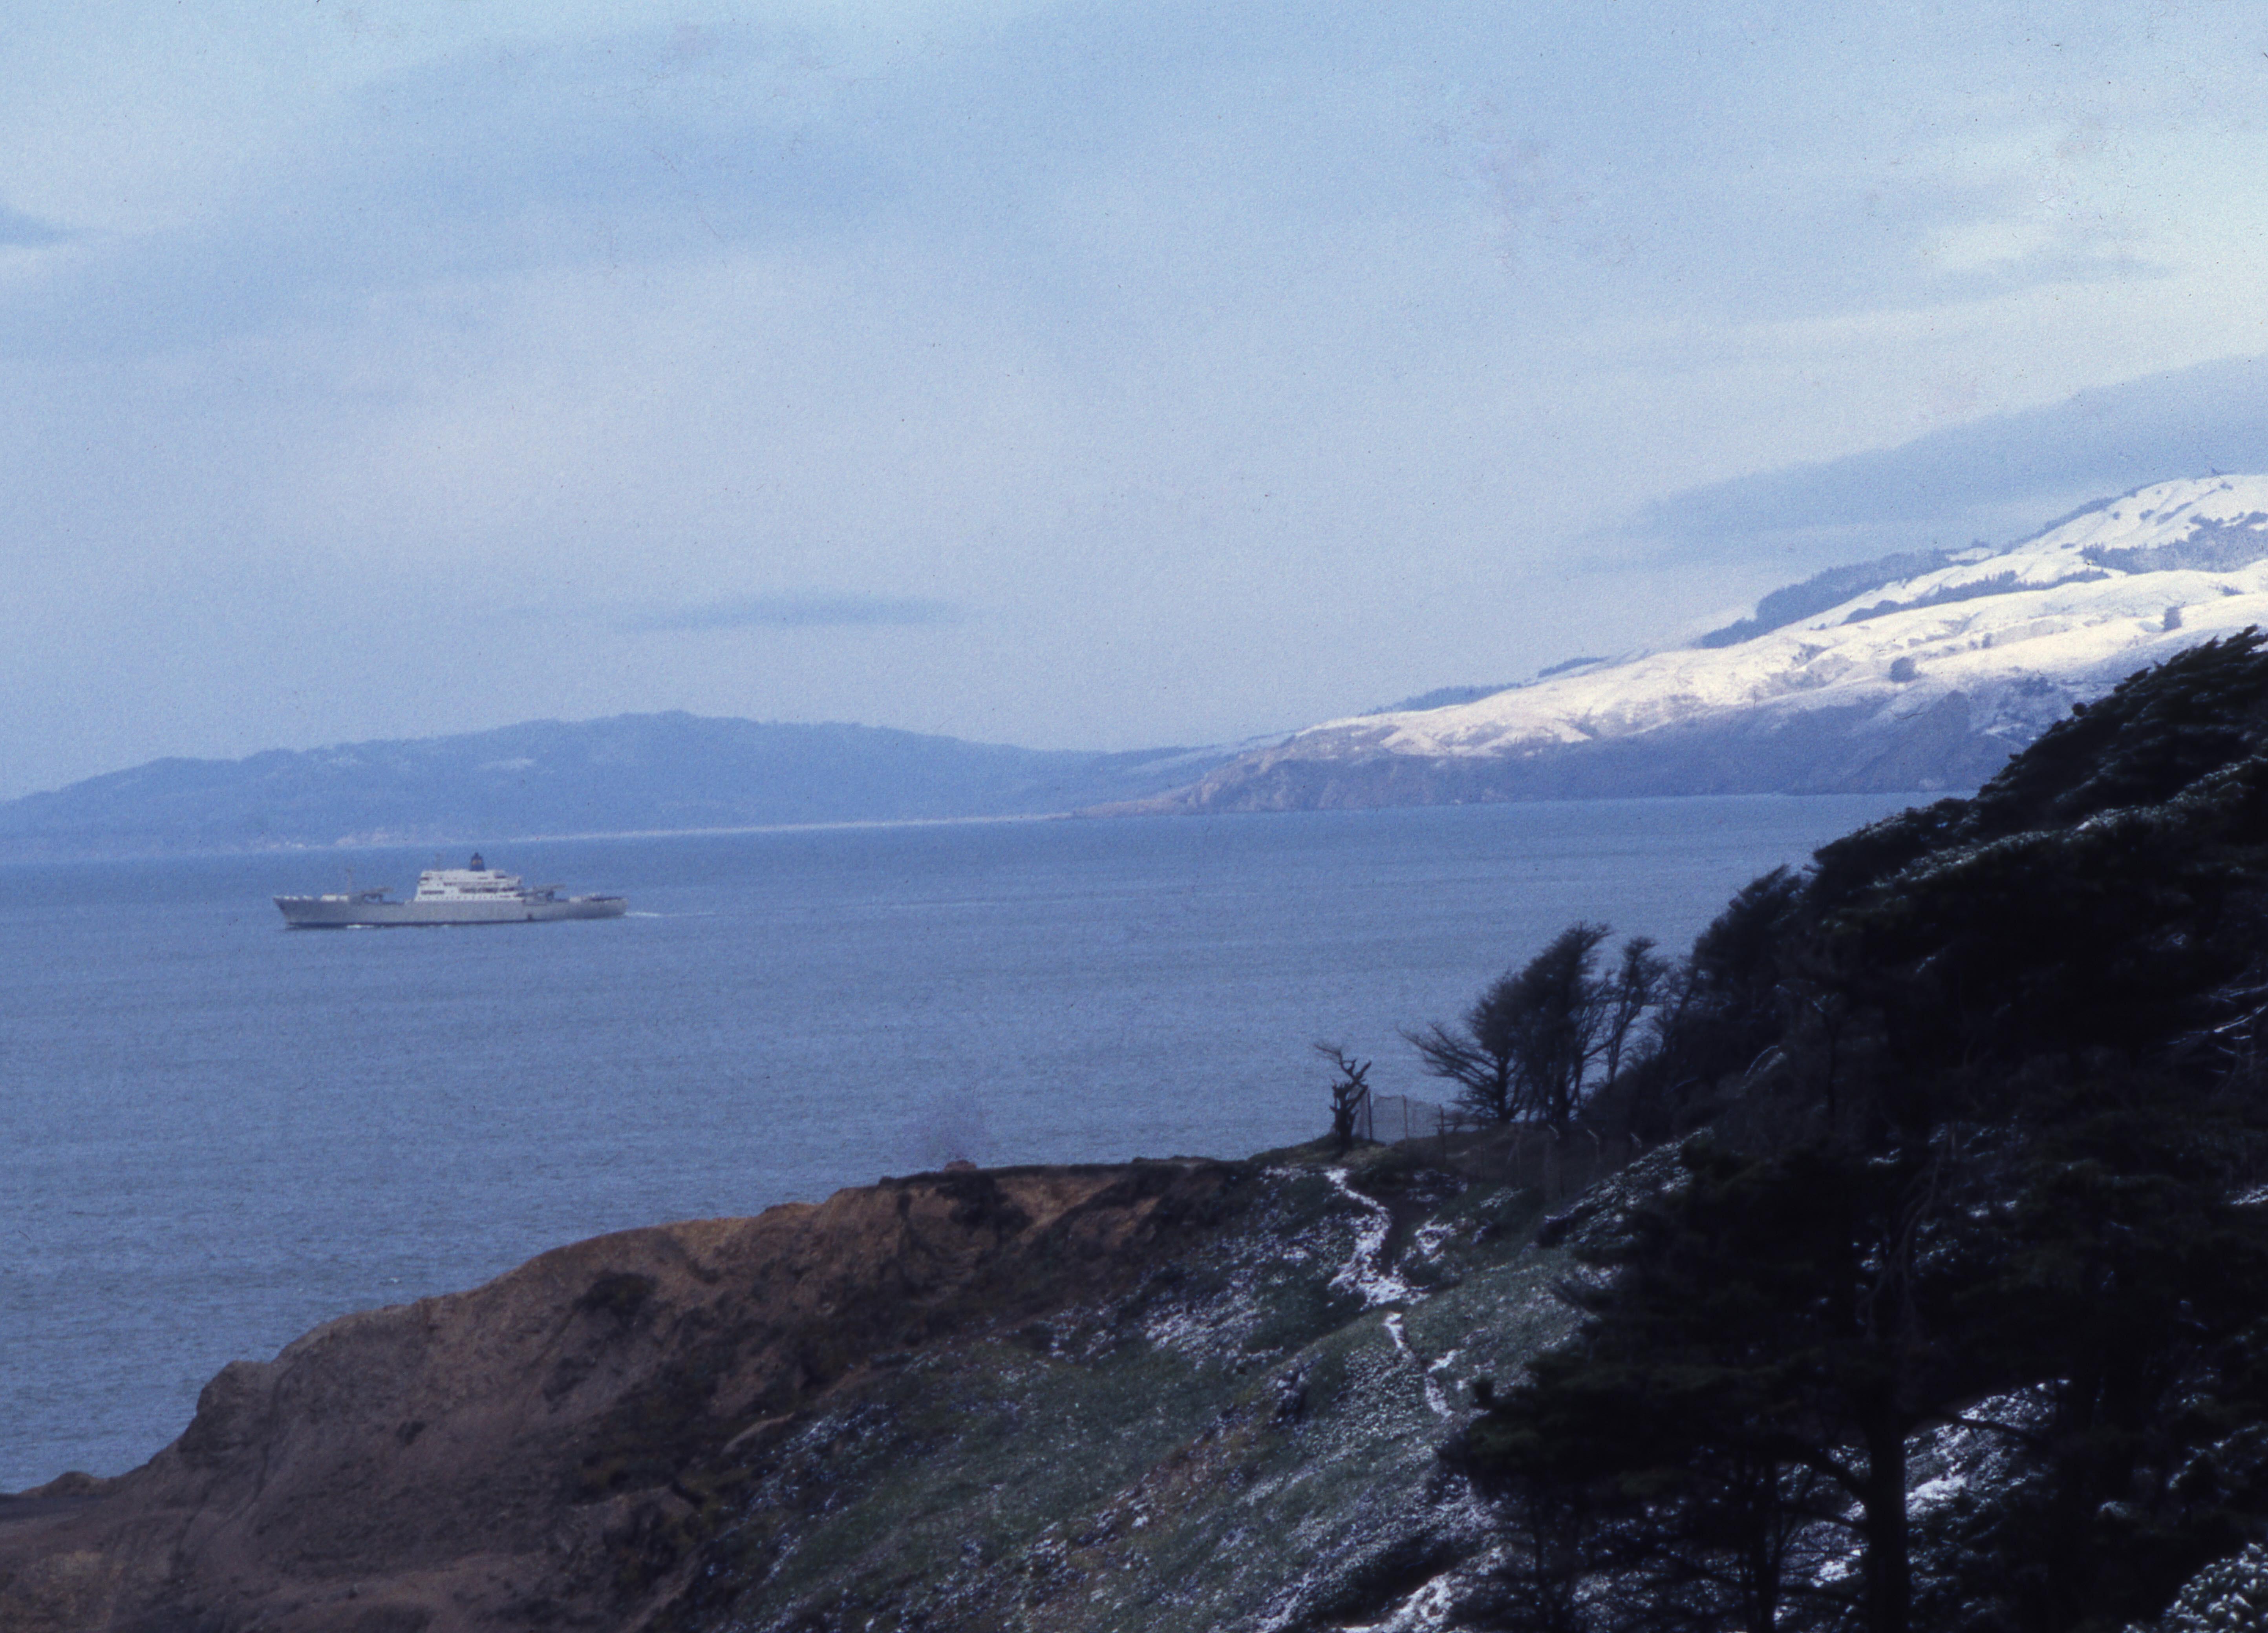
(215, 1133)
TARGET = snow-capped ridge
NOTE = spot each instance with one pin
(1924, 680)
(2063, 604)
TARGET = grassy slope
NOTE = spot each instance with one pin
(1236, 1443)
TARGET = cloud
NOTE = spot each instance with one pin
(1179, 342)
(1992, 478)
(481, 166)
(19, 230)
(991, 140)
(797, 612)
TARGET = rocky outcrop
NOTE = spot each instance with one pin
(1168, 1395)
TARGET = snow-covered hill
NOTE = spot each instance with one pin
(1922, 682)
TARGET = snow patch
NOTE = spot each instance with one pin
(1429, 1240)
(1365, 1273)
(1936, 1493)
(1437, 1392)
(1425, 1611)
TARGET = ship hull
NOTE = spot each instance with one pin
(336, 913)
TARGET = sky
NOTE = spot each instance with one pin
(1084, 375)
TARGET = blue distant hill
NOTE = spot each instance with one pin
(629, 774)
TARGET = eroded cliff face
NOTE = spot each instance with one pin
(1184, 1394)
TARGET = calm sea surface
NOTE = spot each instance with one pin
(215, 1133)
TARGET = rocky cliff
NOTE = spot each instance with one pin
(1185, 1395)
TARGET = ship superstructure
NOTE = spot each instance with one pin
(473, 895)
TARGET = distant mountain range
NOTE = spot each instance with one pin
(634, 773)
(1921, 671)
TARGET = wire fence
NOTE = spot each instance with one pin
(1392, 1118)
(1526, 1154)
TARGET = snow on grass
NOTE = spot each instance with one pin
(2227, 1596)
(1215, 1312)
(1365, 1273)
(1436, 1392)
(1936, 1493)
(1429, 1240)
(1425, 1611)
(1399, 1331)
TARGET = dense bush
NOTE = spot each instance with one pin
(1976, 1112)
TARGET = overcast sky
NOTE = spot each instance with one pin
(1082, 375)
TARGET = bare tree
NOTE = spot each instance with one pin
(1350, 1090)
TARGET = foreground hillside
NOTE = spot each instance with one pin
(1173, 1395)
(631, 774)
(1925, 672)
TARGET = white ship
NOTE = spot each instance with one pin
(475, 894)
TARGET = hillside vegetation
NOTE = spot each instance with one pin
(1956, 1315)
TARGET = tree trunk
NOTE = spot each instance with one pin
(1889, 1569)
(1764, 1577)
